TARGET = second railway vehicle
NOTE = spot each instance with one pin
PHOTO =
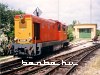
(35, 35)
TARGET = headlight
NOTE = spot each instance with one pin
(15, 39)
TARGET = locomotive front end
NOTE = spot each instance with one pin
(24, 45)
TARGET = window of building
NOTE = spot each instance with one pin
(86, 30)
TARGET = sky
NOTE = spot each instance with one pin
(63, 10)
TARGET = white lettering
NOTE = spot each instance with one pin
(47, 63)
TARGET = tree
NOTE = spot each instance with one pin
(70, 34)
(98, 32)
(7, 19)
(70, 31)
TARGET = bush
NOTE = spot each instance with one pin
(70, 36)
(70, 33)
(98, 32)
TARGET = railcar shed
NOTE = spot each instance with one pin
(85, 30)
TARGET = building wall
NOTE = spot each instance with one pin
(78, 26)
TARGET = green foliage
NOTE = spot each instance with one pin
(7, 19)
(70, 31)
(98, 32)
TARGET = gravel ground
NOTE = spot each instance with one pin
(90, 67)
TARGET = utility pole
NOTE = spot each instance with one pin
(90, 11)
(58, 9)
(37, 13)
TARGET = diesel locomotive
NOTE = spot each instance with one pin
(35, 35)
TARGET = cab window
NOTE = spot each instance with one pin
(63, 27)
(59, 27)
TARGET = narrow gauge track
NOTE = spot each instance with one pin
(66, 70)
(11, 66)
(8, 65)
(75, 57)
(76, 45)
(27, 69)
(46, 69)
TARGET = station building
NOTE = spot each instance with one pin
(85, 30)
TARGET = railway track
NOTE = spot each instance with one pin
(62, 69)
(9, 65)
(22, 70)
(66, 70)
(78, 44)
(13, 66)
(52, 70)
